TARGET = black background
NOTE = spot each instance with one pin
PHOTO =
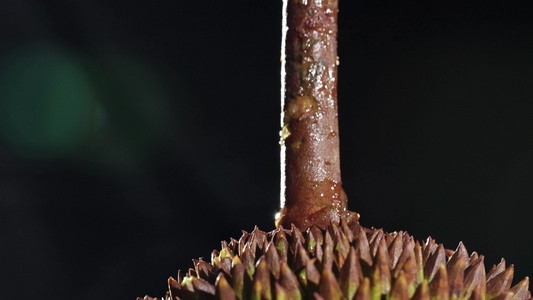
(182, 148)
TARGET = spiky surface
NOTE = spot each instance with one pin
(346, 261)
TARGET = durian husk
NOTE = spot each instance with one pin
(345, 261)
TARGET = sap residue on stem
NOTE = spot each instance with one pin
(284, 134)
(298, 107)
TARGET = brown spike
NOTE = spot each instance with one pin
(282, 245)
(253, 244)
(329, 287)
(243, 241)
(473, 258)
(395, 250)
(410, 271)
(363, 292)
(432, 264)
(374, 241)
(296, 236)
(422, 292)
(363, 248)
(225, 265)
(261, 283)
(407, 254)
(300, 257)
(273, 260)
(204, 270)
(174, 287)
(456, 269)
(226, 251)
(319, 241)
(520, 290)
(438, 286)
(345, 243)
(248, 261)
(372, 234)
(496, 269)
(179, 277)
(346, 230)
(237, 277)
(350, 275)
(265, 245)
(381, 273)
(477, 294)
(186, 284)
(223, 289)
(260, 235)
(234, 245)
(317, 232)
(215, 257)
(429, 247)
(256, 290)
(460, 253)
(419, 261)
(289, 282)
(203, 287)
(333, 229)
(310, 242)
(500, 283)
(400, 289)
(341, 251)
(312, 273)
(389, 237)
(328, 258)
(474, 278)
(355, 227)
(281, 293)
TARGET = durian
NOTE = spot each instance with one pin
(326, 253)
(345, 261)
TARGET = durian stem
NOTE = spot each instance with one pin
(311, 190)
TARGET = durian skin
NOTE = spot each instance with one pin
(345, 261)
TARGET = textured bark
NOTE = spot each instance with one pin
(312, 192)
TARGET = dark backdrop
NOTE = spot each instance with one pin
(136, 135)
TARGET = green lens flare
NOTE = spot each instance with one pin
(46, 102)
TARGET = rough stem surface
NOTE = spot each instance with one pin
(312, 191)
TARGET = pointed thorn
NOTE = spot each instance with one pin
(422, 292)
(438, 286)
(363, 292)
(520, 290)
(501, 283)
(496, 269)
(351, 274)
(434, 260)
(474, 278)
(400, 289)
(456, 268)
(328, 287)
(202, 286)
(223, 289)
(289, 281)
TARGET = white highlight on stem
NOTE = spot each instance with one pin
(284, 29)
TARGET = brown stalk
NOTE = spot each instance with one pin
(312, 190)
